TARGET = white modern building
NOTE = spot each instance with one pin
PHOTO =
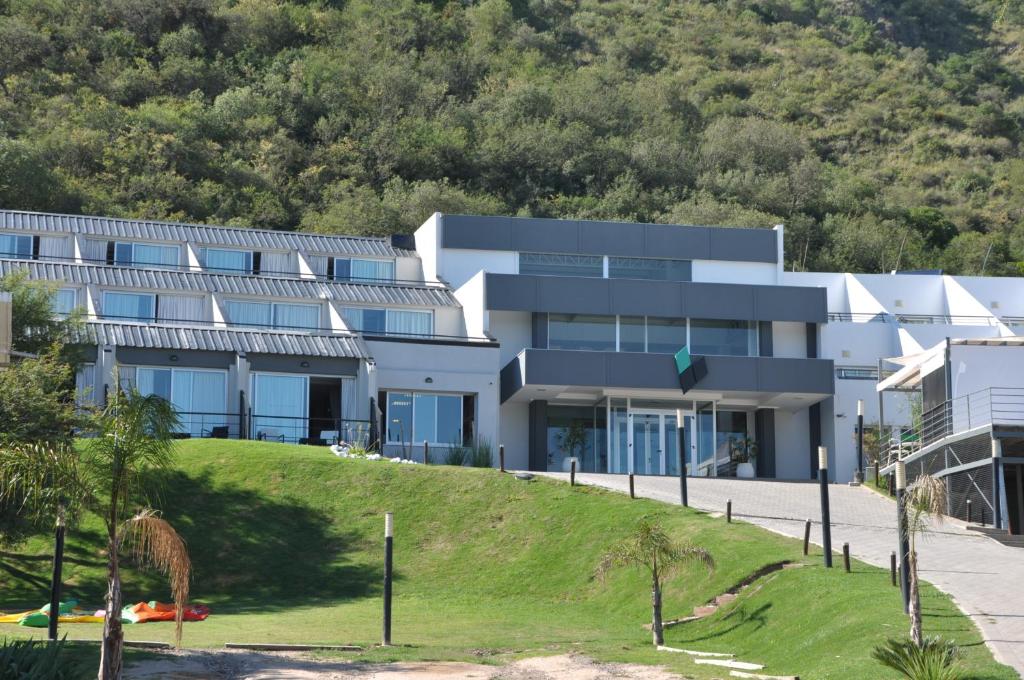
(554, 338)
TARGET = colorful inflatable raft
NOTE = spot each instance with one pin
(143, 612)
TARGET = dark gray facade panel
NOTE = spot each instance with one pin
(580, 295)
(537, 236)
(814, 432)
(184, 358)
(538, 439)
(657, 371)
(719, 301)
(812, 340)
(687, 243)
(530, 234)
(539, 335)
(293, 364)
(650, 298)
(764, 428)
(574, 295)
(744, 245)
(765, 339)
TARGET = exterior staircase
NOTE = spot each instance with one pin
(1000, 535)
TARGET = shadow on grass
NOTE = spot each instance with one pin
(249, 552)
(740, 617)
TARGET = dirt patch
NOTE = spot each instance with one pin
(192, 665)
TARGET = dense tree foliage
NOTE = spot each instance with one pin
(884, 134)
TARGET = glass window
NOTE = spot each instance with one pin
(303, 317)
(632, 334)
(352, 269)
(16, 246)
(147, 254)
(649, 268)
(729, 338)
(243, 313)
(366, 320)
(730, 434)
(424, 418)
(664, 335)
(581, 331)
(129, 306)
(280, 407)
(399, 417)
(552, 264)
(404, 322)
(154, 381)
(65, 300)
(449, 419)
(228, 261)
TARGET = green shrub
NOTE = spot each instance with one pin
(480, 454)
(36, 660)
(456, 454)
(935, 659)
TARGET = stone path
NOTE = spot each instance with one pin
(985, 578)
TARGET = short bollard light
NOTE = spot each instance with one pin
(632, 488)
(858, 475)
(389, 537)
(826, 522)
(901, 524)
(501, 457)
(728, 511)
(846, 557)
(892, 567)
(807, 536)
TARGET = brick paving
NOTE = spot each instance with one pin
(984, 578)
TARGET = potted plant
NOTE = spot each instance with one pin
(745, 454)
(569, 439)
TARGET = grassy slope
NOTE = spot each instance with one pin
(286, 545)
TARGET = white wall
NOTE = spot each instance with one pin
(449, 321)
(513, 330)
(977, 367)
(834, 285)
(458, 266)
(715, 271)
(857, 344)
(428, 246)
(408, 269)
(515, 435)
(789, 339)
(471, 296)
(792, 445)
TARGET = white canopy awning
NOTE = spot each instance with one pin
(920, 364)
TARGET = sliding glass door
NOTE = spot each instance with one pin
(280, 406)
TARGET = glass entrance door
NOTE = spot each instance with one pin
(654, 442)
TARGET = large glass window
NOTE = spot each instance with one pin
(434, 418)
(281, 315)
(632, 334)
(729, 338)
(553, 264)
(665, 335)
(64, 301)
(296, 317)
(223, 261)
(649, 268)
(129, 306)
(243, 313)
(354, 269)
(199, 396)
(371, 321)
(581, 331)
(730, 436)
(280, 407)
(146, 254)
(16, 246)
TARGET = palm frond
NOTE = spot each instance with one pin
(154, 542)
(36, 478)
(926, 498)
(650, 545)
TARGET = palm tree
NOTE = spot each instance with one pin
(925, 498)
(107, 476)
(651, 548)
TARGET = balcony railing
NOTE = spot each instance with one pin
(944, 319)
(985, 408)
(269, 273)
(274, 428)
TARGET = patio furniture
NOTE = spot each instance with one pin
(268, 434)
(216, 432)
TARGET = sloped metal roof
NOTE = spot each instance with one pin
(200, 234)
(151, 336)
(229, 284)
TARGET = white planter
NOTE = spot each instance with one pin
(745, 470)
(567, 464)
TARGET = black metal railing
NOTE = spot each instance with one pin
(273, 428)
(224, 271)
(888, 317)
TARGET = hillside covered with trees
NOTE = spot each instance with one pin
(884, 133)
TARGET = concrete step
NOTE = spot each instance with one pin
(691, 652)
(742, 674)
(1000, 535)
(728, 663)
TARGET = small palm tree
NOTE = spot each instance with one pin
(925, 498)
(651, 548)
(107, 476)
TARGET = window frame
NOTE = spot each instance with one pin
(250, 263)
(387, 320)
(274, 304)
(133, 262)
(154, 296)
(16, 255)
(410, 432)
(334, 269)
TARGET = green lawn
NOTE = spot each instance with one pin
(287, 547)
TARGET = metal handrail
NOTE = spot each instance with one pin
(984, 408)
(888, 317)
(209, 424)
(188, 268)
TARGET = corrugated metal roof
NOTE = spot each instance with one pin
(220, 340)
(200, 234)
(264, 286)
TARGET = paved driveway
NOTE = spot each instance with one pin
(985, 578)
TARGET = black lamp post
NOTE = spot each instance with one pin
(858, 476)
(826, 522)
(901, 523)
(389, 533)
(55, 580)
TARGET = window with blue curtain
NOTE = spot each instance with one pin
(354, 269)
(366, 320)
(146, 254)
(399, 417)
(65, 300)
(16, 246)
(129, 306)
(296, 317)
(424, 417)
(244, 313)
(223, 261)
(280, 406)
(405, 322)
